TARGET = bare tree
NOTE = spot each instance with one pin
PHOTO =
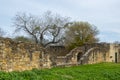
(45, 30)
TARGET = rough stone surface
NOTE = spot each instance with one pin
(18, 56)
(90, 54)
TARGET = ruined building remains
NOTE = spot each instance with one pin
(19, 56)
(90, 54)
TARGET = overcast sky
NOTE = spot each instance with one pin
(105, 14)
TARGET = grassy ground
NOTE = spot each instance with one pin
(102, 71)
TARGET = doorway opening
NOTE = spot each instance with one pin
(116, 57)
(79, 56)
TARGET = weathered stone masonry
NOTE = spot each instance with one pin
(21, 56)
(90, 54)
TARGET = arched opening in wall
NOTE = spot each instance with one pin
(79, 56)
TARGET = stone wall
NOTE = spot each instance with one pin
(87, 54)
(114, 49)
(91, 54)
(19, 56)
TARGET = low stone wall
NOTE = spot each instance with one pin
(18, 56)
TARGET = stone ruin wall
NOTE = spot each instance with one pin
(90, 54)
(18, 56)
(99, 53)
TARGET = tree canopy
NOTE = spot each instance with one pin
(51, 28)
(22, 39)
(80, 33)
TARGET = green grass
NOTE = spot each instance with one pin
(102, 71)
